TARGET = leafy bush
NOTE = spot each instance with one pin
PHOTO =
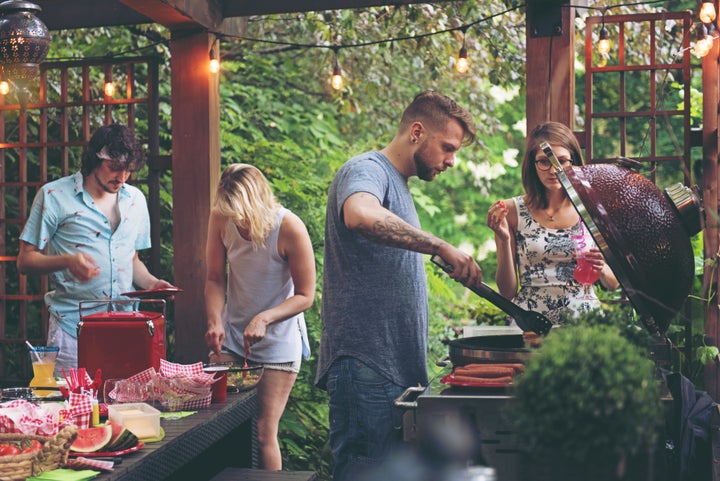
(588, 396)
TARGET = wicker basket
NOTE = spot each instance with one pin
(54, 454)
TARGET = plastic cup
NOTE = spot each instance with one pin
(43, 363)
(219, 385)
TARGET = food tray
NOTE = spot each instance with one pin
(243, 378)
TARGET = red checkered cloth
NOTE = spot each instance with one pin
(170, 369)
(80, 409)
(185, 381)
(144, 376)
(23, 417)
(80, 463)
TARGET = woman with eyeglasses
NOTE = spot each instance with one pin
(536, 234)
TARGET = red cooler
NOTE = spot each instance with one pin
(119, 340)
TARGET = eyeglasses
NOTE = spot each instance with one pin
(545, 164)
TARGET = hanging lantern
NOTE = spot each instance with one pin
(24, 40)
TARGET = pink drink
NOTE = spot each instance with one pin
(584, 273)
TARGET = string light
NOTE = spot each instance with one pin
(109, 87)
(604, 44)
(706, 36)
(214, 64)
(462, 63)
(707, 12)
(336, 81)
(4, 88)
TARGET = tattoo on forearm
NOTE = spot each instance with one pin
(392, 233)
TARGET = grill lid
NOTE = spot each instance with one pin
(644, 233)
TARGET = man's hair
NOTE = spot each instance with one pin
(434, 110)
(114, 142)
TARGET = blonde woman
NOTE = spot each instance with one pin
(260, 279)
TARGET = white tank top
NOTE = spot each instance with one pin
(259, 279)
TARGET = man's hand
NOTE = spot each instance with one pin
(459, 265)
(83, 267)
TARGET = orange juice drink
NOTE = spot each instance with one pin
(43, 364)
(43, 376)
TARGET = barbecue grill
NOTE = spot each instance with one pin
(644, 234)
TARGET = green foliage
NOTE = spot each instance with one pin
(587, 396)
(621, 317)
(279, 113)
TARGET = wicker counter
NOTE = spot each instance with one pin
(198, 446)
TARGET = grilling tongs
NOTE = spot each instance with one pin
(526, 320)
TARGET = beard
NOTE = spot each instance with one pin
(421, 166)
(109, 187)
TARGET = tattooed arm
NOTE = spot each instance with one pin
(363, 213)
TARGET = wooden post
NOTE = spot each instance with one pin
(195, 172)
(550, 74)
(710, 201)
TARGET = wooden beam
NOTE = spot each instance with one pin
(189, 15)
(222, 16)
(71, 14)
(550, 75)
(244, 8)
(195, 173)
(711, 241)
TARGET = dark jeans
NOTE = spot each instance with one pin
(364, 425)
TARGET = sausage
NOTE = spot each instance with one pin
(517, 366)
(475, 380)
(488, 371)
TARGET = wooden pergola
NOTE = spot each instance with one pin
(196, 124)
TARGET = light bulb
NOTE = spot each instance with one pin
(214, 65)
(109, 89)
(604, 44)
(4, 88)
(703, 46)
(707, 12)
(462, 64)
(336, 81)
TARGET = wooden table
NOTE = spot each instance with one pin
(197, 447)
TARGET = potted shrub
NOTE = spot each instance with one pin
(587, 402)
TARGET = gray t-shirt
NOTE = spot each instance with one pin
(374, 300)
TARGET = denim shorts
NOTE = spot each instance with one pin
(365, 427)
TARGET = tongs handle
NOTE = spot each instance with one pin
(526, 320)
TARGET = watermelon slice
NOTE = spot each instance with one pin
(117, 430)
(92, 439)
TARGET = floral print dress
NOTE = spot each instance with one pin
(545, 259)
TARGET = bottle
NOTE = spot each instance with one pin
(95, 418)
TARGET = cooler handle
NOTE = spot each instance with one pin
(110, 302)
(149, 323)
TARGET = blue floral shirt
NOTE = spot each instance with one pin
(64, 220)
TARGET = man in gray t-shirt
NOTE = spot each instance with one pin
(374, 301)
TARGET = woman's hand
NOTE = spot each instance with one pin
(595, 257)
(256, 330)
(497, 220)
(214, 337)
